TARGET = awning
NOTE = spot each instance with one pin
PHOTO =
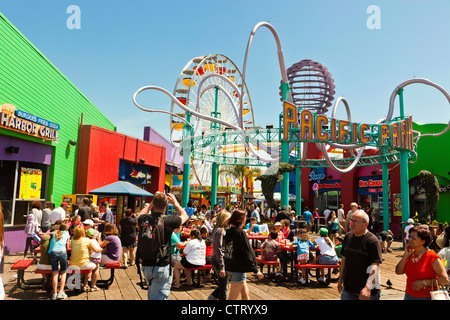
(122, 188)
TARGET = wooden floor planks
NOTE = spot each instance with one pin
(126, 285)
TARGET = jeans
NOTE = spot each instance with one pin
(159, 281)
(345, 295)
(220, 293)
(58, 259)
(410, 297)
(238, 277)
(327, 260)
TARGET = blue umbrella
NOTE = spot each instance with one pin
(122, 188)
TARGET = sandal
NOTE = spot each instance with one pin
(95, 288)
(86, 288)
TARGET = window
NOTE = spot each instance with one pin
(21, 184)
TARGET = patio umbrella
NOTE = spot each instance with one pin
(122, 188)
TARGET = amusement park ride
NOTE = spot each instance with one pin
(217, 126)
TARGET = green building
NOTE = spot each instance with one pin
(41, 114)
(433, 156)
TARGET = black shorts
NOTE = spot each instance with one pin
(188, 265)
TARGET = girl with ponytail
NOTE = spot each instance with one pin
(327, 253)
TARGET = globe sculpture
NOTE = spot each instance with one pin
(311, 86)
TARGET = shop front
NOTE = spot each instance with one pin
(110, 158)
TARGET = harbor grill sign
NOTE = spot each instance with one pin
(305, 126)
(24, 122)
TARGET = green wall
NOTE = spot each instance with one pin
(33, 84)
(434, 156)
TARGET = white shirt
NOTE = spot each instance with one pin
(256, 214)
(341, 215)
(324, 248)
(409, 226)
(96, 255)
(38, 215)
(57, 214)
(195, 251)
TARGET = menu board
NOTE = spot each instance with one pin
(30, 183)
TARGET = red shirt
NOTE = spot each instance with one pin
(423, 269)
(209, 251)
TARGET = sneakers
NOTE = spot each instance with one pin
(61, 296)
(302, 281)
(322, 279)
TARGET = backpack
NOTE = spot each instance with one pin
(151, 248)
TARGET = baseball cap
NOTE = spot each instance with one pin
(410, 220)
(88, 222)
(323, 231)
(64, 204)
(277, 224)
(90, 233)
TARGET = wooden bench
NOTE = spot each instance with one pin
(317, 267)
(267, 263)
(199, 274)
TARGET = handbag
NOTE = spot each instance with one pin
(439, 294)
(440, 241)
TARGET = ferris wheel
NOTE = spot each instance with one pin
(202, 87)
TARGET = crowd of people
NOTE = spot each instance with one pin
(85, 239)
(200, 236)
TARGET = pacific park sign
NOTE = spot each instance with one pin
(305, 126)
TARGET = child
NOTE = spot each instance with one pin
(58, 260)
(327, 254)
(277, 229)
(95, 256)
(286, 223)
(303, 244)
(270, 247)
(31, 227)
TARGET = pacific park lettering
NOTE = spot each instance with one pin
(397, 134)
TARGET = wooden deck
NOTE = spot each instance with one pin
(126, 285)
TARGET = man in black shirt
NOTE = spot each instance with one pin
(159, 275)
(361, 251)
(85, 211)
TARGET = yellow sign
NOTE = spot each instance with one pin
(30, 183)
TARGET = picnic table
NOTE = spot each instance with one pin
(255, 237)
(286, 248)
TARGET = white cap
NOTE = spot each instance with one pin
(410, 220)
(89, 222)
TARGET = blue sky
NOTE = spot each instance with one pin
(124, 45)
